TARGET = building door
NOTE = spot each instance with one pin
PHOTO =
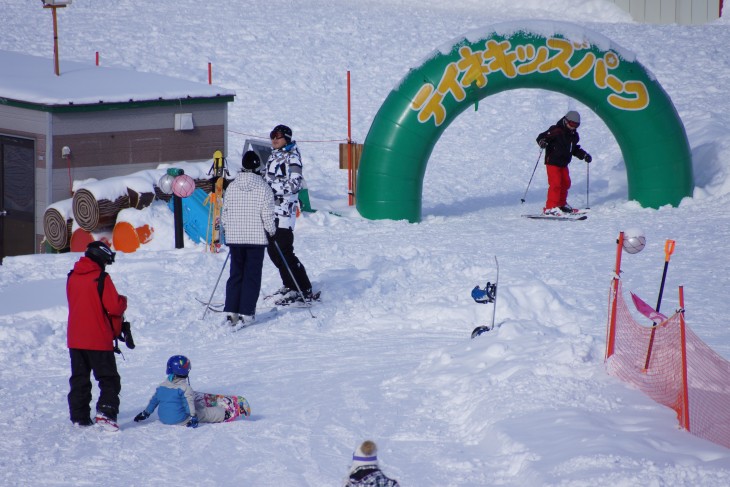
(17, 196)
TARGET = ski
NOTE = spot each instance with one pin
(262, 316)
(484, 296)
(565, 217)
(212, 306)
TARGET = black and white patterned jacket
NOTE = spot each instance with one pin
(369, 476)
(248, 211)
(284, 175)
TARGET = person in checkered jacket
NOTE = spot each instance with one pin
(248, 222)
(364, 471)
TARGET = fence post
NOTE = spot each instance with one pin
(611, 332)
(684, 418)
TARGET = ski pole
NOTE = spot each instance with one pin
(533, 175)
(207, 307)
(588, 178)
(299, 290)
(494, 307)
(668, 250)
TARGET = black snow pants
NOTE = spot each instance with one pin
(285, 238)
(104, 366)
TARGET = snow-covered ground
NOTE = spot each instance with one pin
(388, 355)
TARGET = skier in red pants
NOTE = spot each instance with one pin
(560, 142)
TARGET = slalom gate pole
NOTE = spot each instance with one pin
(611, 332)
(299, 289)
(533, 175)
(207, 307)
(668, 250)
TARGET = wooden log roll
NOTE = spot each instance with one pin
(91, 213)
(57, 229)
(140, 200)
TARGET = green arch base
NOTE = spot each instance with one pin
(555, 56)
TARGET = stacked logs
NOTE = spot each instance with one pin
(57, 226)
(96, 216)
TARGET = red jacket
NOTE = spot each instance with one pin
(88, 326)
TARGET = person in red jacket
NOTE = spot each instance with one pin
(95, 311)
(560, 142)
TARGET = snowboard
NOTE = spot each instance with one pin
(236, 405)
(484, 296)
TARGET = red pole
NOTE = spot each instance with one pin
(684, 421)
(210, 74)
(97, 58)
(611, 333)
(56, 68)
(350, 189)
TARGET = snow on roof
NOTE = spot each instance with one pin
(32, 79)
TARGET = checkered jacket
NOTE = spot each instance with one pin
(369, 476)
(284, 175)
(248, 211)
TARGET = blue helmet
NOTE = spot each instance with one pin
(178, 365)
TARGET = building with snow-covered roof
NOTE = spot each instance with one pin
(91, 122)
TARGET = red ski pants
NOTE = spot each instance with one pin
(558, 186)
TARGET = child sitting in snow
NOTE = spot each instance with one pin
(177, 401)
(364, 471)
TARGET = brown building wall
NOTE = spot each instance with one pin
(140, 146)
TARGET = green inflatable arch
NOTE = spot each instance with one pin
(555, 56)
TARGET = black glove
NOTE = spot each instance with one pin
(193, 423)
(141, 416)
(542, 143)
(588, 158)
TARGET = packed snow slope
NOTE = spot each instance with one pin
(387, 355)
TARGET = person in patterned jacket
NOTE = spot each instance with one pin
(364, 471)
(248, 222)
(284, 175)
(560, 142)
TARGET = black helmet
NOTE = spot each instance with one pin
(281, 130)
(100, 253)
(251, 162)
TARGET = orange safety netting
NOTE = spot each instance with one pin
(703, 406)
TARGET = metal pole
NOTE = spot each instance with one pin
(588, 178)
(299, 289)
(207, 307)
(533, 174)
(350, 169)
(668, 250)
